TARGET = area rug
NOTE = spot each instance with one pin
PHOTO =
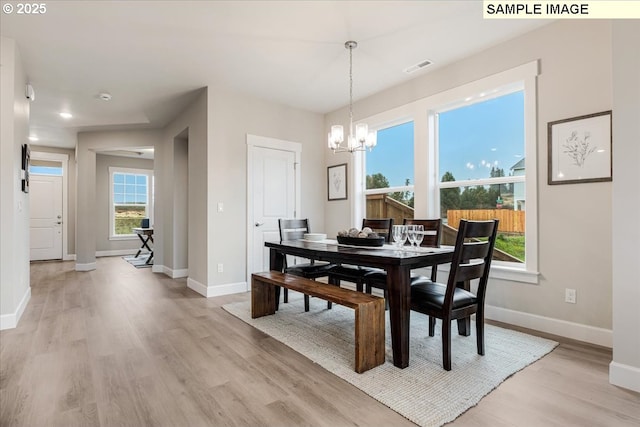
(423, 392)
(139, 262)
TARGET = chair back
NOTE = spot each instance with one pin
(472, 257)
(382, 226)
(293, 229)
(432, 230)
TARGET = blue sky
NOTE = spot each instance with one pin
(472, 140)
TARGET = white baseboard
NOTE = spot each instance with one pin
(116, 252)
(218, 290)
(563, 328)
(10, 321)
(157, 268)
(624, 376)
(69, 257)
(179, 273)
(86, 267)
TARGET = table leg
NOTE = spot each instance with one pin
(399, 292)
(276, 263)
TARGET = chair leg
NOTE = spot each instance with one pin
(368, 289)
(286, 295)
(334, 282)
(446, 344)
(480, 332)
(359, 285)
(432, 326)
(306, 302)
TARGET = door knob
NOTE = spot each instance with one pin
(258, 224)
(59, 222)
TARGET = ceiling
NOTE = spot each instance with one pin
(154, 56)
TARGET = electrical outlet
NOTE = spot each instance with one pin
(570, 296)
(220, 268)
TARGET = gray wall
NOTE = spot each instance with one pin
(625, 368)
(15, 289)
(101, 220)
(574, 221)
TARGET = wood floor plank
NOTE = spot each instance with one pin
(129, 347)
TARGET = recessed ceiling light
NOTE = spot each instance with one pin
(66, 115)
(33, 138)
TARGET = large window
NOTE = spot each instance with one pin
(389, 174)
(474, 150)
(131, 193)
(481, 158)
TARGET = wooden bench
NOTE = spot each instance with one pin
(369, 310)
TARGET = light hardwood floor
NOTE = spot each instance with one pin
(122, 346)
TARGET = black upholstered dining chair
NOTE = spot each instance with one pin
(450, 301)
(432, 233)
(295, 229)
(356, 274)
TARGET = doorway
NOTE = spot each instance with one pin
(273, 177)
(48, 206)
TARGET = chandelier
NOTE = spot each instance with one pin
(362, 139)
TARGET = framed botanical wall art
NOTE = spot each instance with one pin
(337, 182)
(580, 149)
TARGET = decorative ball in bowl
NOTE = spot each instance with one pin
(364, 237)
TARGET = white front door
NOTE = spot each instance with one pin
(274, 187)
(45, 198)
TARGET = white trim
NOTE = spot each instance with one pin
(174, 274)
(86, 267)
(10, 321)
(157, 268)
(625, 376)
(69, 257)
(255, 141)
(64, 160)
(563, 328)
(217, 290)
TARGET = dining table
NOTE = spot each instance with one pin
(397, 262)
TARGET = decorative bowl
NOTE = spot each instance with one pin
(315, 236)
(361, 241)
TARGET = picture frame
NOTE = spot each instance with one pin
(26, 160)
(579, 149)
(337, 182)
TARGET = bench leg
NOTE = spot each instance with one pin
(370, 344)
(263, 298)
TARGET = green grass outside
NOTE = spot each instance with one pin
(127, 218)
(513, 245)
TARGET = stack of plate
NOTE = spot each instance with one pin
(315, 236)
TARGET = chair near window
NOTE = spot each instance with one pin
(295, 229)
(357, 274)
(471, 260)
(432, 233)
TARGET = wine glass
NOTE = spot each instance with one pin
(411, 234)
(398, 237)
(419, 235)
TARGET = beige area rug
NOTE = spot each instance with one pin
(424, 392)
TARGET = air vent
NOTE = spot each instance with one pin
(418, 66)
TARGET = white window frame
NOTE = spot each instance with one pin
(426, 180)
(113, 170)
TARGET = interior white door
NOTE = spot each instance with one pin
(45, 198)
(274, 192)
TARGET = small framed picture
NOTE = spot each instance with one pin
(26, 161)
(580, 149)
(337, 182)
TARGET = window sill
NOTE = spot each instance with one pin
(504, 272)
